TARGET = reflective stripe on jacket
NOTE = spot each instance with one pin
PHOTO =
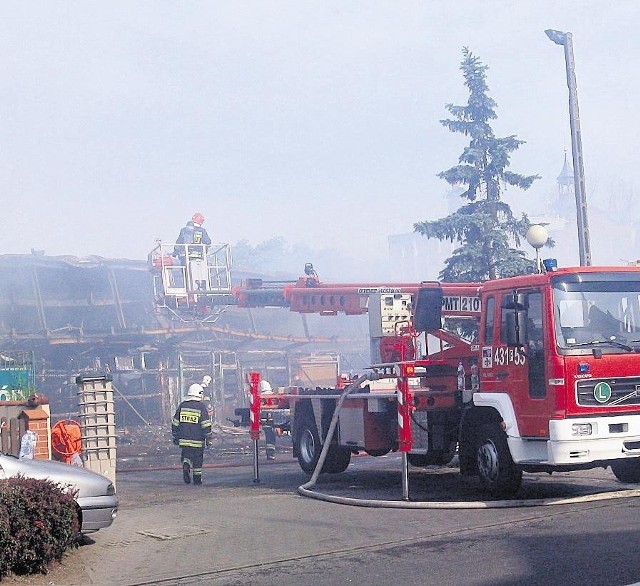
(191, 424)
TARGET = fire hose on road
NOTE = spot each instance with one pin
(305, 489)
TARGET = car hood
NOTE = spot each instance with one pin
(86, 482)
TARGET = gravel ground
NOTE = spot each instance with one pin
(151, 446)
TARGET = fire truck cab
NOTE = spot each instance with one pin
(559, 384)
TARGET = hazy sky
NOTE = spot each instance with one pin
(317, 121)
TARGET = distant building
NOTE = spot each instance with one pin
(612, 238)
(558, 214)
(414, 257)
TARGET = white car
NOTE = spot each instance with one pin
(96, 496)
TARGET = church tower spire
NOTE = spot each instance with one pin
(566, 184)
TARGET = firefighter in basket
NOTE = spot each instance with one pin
(191, 431)
(191, 250)
(193, 233)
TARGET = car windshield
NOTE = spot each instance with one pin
(592, 312)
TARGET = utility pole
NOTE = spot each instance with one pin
(584, 246)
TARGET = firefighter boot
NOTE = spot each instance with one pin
(197, 477)
(186, 473)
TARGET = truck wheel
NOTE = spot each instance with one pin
(498, 474)
(626, 470)
(308, 448)
(337, 460)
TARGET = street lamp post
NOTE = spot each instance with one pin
(584, 247)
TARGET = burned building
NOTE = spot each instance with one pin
(76, 315)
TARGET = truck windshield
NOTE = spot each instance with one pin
(597, 309)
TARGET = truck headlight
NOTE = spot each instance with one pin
(583, 429)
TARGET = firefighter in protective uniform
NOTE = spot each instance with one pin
(268, 425)
(191, 250)
(193, 233)
(191, 430)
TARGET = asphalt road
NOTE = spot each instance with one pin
(232, 531)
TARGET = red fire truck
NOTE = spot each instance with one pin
(537, 373)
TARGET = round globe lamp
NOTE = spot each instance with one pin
(537, 237)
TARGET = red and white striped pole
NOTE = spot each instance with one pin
(405, 408)
(254, 419)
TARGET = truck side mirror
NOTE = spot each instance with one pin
(516, 322)
(427, 314)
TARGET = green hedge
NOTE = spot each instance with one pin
(38, 523)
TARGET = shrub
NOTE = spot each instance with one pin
(5, 536)
(38, 523)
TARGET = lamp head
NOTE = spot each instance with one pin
(537, 236)
(558, 37)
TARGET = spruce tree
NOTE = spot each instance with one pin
(485, 228)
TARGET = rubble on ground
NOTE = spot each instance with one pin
(151, 446)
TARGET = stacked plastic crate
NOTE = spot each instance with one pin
(98, 423)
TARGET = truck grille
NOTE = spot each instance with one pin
(609, 392)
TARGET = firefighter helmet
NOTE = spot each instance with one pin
(195, 391)
(198, 218)
(265, 387)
